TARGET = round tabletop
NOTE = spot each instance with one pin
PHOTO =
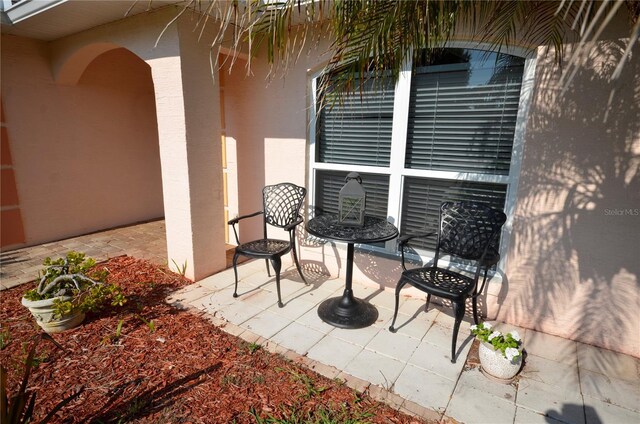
(374, 229)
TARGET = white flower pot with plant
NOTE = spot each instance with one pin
(69, 287)
(500, 354)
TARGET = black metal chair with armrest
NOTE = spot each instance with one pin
(281, 209)
(469, 231)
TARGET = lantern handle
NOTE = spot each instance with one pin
(353, 176)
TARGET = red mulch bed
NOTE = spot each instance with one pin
(185, 370)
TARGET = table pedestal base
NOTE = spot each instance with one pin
(347, 312)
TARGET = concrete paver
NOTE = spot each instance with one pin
(21, 266)
(376, 368)
(468, 403)
(562, 381)
(425, 388)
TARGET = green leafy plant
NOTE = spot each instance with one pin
(510, 344)
(75, 284)
(149, 323)
(306, 381)
(253, 347)
(5, 338)
(18, 409)
(181, 269)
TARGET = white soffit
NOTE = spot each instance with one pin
(53, 19)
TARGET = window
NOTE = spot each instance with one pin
(449, 131)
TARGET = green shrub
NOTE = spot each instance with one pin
(75, 276)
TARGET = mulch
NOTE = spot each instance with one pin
(168, 365)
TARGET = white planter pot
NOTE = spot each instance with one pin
(42, 310)
(496, 365)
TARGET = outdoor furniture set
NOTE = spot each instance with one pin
(468, 230)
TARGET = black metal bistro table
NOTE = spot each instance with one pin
(347, 311)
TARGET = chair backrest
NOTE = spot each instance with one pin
(467, 227)
(282, 203)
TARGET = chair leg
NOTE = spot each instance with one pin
(295, 259)
(268, 272)
(474, 303)
(426, 307)
(458, 310)
(277, 264)
(399, 287)
(235, 272)
(474, 300)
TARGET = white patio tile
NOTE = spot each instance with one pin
(611, 390)
(243, 289)
(396, 345)
(266, 323)
(550, 347)
(414, 306)
(471, 405)
(187, 295)
(386, 299)
(442, 337)
(384, 318)
(218, 281)
(298, 337)
(472, 377)
(438, 360)
(293, 309)
(331, 285)
(334, 352)
(375, 368)
(359, 336)
(414, 326)
(526, 416)
(255, 278)
(424, 388)
(598, 412)
(216, 301)
(446, 319)
(312, 320)
(237, 313)
(607, 362)
(311, 294)
(259, 298)
(553, 373)
(288, 287)
(551, 401)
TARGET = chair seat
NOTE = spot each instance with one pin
(440, 282)
(264, 248)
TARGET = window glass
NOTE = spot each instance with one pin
(463, 110)
(358, 131)
(329, 183)
(422, 198)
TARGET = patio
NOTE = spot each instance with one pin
(563, 380)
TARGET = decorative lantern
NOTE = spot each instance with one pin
(351, 201)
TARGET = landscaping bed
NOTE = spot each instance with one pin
(149, 362)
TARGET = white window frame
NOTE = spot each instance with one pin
(396, 169)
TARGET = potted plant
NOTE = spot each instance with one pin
(500, 354)
(67, 288)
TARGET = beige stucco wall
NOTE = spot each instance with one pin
(572, 261)
(86, 156)
(267, 121)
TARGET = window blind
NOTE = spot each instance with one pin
(462, 116)
(422, 198)
(358, 132)
(329, 183)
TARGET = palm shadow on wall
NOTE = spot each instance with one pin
(580, 250)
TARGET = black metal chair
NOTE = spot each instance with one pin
(469, 231)
(281, 209)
